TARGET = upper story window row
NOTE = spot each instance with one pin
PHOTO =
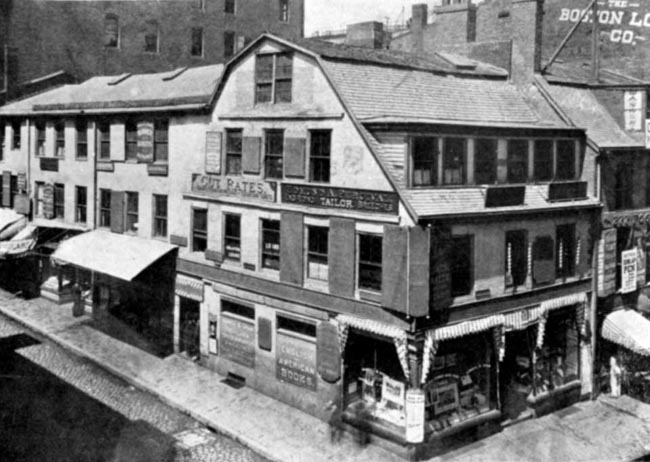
(10, 135)
(448, 160)
(273, 77)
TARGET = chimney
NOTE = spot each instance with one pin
(455, 22)
(419, 16)
(10, 72)
(369, 34)
(527, 23)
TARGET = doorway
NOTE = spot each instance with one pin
(189, 339)
(517, 374)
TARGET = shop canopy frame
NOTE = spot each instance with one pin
(629, 329)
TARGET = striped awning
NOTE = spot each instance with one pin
(629, 329)
(189, 287)
(521, 319)
(467, 327)
(369, 325)
(567, 300)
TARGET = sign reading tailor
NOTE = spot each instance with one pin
(329, 352)
(340, 198)
(234, 186)
(238, 340)
(144, 151)
(296, 361)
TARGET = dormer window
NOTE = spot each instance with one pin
(517, 161)
(566, 160)
(273, 76)
(111, 31)
(454, 161)
(425, 166)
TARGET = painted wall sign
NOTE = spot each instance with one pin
(414, 415)
(234, 186)
(633, 102)
(144, 152)
(16, 247)
(238, 340)
(607, 263)
(340, 198)
(49, 164)
(628, 270)
(329, 352)
(213, 152)
(296, 361)
(22, 182)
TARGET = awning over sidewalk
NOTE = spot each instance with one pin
(117, 255)
(629, 329)
(20, 244)
(10, 223)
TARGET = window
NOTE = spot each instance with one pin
(516, 257)
(317, 251)
(59, 200)
(233, 151)
(229, 6)
(131, 211)
(543, 160)
(271, 244)
(151, 37)
(453, 161)
(40, 138)
(425, 161)
(199, 230)
(232, 236)
(370, 258)
(197, 42)
(566, 160)
(296, 325)
(15, 134)
(284, 10)
(623, 185)
(565, 250)
(229, 44)
(81, 198)
(462, 279)
(39, 187)
(159, 215)
(517, 161)
(59, 130)
(236, 308)
(131, 139)
(160, 140)
(105, 208)
(485, 161)
(81, 129)
(273, 150)
(273, 75)
(320, 145)
(104, 139)
(111, 31)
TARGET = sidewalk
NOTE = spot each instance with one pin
(607, 429)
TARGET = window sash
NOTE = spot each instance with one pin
(199, 230)
(233, 152)
(454, 160)
(317, 252)
(485, 160)
(543, 170)
(81, 129)
(271, 244)
(320, 144)
(131, 140)
(40, 139)
(424, 155)
(517, 161)
(15, 138)
(59, 200)
(566, 160)
(105, 208)
(132, 202)
(81, 204)
(232, 237)
(370, 261)
(273, 156)
(160, 215)
(161, 141)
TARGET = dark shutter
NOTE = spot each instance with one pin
(251, 154)
(394, 271)
(419, 289)
(342, 257)
(291, 247)
(6, 189)
(440, 269)
(543, 260)
(117, 211)
(294, 157)
(264, 334)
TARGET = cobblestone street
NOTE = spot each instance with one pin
(143, 423)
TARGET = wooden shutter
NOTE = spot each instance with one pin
(145, 142)
(48, 200)
(118, 137)
(117, 211)
(543, 260)
(419, 289)
(6, 189)
(294, 157)
(251, 147)
(394, 271)
(440, 269)
(342, 257)
(265, 334)
(291, 247)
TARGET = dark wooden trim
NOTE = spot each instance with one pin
(175, 239)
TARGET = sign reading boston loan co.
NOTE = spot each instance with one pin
(217, 186)
(340, 198)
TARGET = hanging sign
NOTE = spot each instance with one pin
(640, 266)
(213, 152)
(296, 361)
(329, 352)
(48, 200)
(607, 263)
(22, 182)
(414, 415)
(213, 348)
(628, 270)
(144, 152)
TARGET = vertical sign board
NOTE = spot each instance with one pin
(640, 265)
(48, 200)
(607, 263)
(212, 335)
(144, 152)
(647, 134)
(296, 361)
(328, 352)
(213, 140)
(414, 415)
(633, 106)
(22, 182)
(628, 270)
(238, 340)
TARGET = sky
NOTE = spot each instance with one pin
(323, 15)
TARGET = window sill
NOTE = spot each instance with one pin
(104, 166)
(316, 284)
(369, 295)
(81, 159)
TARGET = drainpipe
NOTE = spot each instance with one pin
(593, 311)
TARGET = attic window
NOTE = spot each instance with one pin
(273, 75)
(151, 37)
(111, 31)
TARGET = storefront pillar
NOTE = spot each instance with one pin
(177, 323)
(415, 352)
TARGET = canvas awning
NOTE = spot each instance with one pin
(116, 255)
(10, 223)
(20, 244)
(629, 329)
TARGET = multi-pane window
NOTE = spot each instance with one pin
(111, 31)
(516, 257)
(59, 200)
(229, 6)
(81, 130)
(461, 256)
(197, 42)
(131, 139)
(81, 204)
(131, 211)
(565, 250)
(59, 131)
(317, 251)
(161, 140)
(264, 78)
(151, 37)
(273, 76)
(425, 161)
(273, 152)
(104, 139)
(229, 44)
(284, 10)
(370, 258)
(199, 230)
(320, 145)
(105, 208)
(40, 138)
(159, 215)
(232, 236)
(517, 161)
(566, 160)
(233, 151)
(39, 187)
(283, 76)
(543, 168)
(271, 244)
(453, 161)
(485, 161)
(15, 134)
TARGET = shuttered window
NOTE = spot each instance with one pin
(81, 130)
(233, 151)
(461, 265)
(341, 258)
(15, 134)
(117, 211)
(131, 139)
(161, 140)
(59, 200)
(232, 236)
(317, 252)
(40, 138)
(159, 215)
(370, 261)
(132, 204)
(199, 230)
(81, 203)
(320, 144)
(273, 153)
(104, 140)
(59, 131)
(105, 208)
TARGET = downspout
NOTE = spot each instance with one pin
(28, 174)
(593, 325)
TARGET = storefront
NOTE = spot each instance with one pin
(187, 309)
